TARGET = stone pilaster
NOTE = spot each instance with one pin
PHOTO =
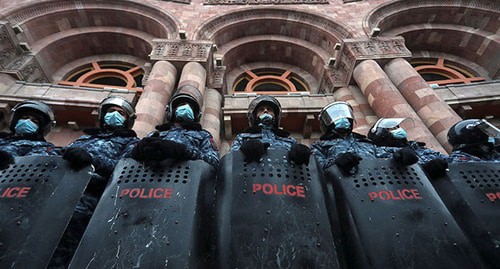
(387, 101)
(211, 119)
(192, 82)
(434, 112)
(155, 96)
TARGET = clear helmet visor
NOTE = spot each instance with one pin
(335, 112)
(391, 123)
(491, 131)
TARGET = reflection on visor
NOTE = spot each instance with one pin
(336, 112)
(489, 129)
(389, 123)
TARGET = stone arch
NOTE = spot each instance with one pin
(60, 32)
(468, 29)
(277, 35)
(313, 28)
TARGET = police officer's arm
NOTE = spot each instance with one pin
(426, 154)
(238, 141)
(320, 153)
(208, 150)
(129, 147)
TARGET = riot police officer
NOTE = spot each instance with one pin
(264, 115)
(474, 140)
(339, 144)
(30, 121)
(102, 147)
(392, 140)
(181, 138)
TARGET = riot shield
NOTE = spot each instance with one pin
(151, 218)
(272, 214)
(471, 191)
(393, 218)
(37, 198)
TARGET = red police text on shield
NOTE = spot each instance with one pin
(14, 192)
(403, 194)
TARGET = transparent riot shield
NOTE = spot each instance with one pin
(272, 214)
(37, 198)
(471, 191)
(393, 218)
(151, 218)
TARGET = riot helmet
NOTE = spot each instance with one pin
(333, 112)
(472, 132)
(182, 99)
(260, 101)
(387, 132)
(41, 111)
(119, 102)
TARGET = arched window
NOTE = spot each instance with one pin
(102, 75)
(436, 71)
(269, 81)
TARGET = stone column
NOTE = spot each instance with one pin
(364, 107)
(151, 106)
(211, 120)
(345, 94)
(192, 81)
(386, 101)
(434, 112)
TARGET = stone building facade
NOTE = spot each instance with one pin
(434, 61)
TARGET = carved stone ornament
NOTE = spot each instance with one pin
(353, 51)
(8, 51)
(26, 68)
(179, 50)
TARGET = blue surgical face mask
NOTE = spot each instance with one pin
(491, 140)
(114, 119)
(342, 123)
(184, 113)
(399, 133)
(266, 120)
(26, 127)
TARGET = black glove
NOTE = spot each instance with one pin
(253, 149)
(405, 156)
(149, 149)
(347, 161)
(5, 159)
(435, 168)
(157, 149)
(77, 158)
(174, 150)
(299, 154)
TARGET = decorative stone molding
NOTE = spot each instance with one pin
(209, 29)
(27, 68)
(376, 16)
(180, 51)
(26, 13)
(353, 51)
(263, 2)
(8, 46)
(216, 77)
